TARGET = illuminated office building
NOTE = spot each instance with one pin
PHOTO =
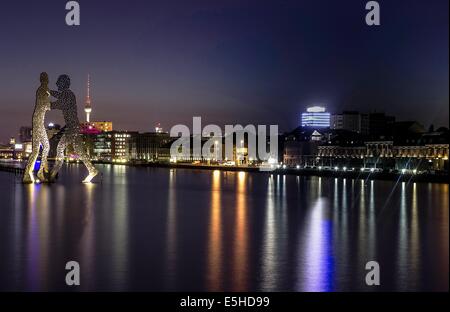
(315, 117)
(122, 145)
(96, 127)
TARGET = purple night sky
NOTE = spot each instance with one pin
(259, 62)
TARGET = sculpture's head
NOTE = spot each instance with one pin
(44, 78)
(63, 82)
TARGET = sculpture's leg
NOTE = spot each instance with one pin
(82, 154)
(44, 164)
(28, 176)
(62, 144)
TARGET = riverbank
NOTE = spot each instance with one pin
(425, 178)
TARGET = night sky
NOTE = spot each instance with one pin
(259, 62)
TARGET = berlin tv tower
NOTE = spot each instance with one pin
(87, 105)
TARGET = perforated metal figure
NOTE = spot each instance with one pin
(39, 134)
(68, 105)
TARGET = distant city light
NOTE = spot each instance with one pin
(272, 161)
(158, 128)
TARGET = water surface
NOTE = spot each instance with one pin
(158, 229)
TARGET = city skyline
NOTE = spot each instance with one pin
(311, 121)
(258, 65)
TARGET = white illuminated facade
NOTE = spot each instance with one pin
(315, 117)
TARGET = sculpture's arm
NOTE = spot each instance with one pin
(56, 105)
(55, 94)
(47, 102)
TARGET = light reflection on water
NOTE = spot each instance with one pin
(318, 260)
(270, 237)
(240, 250)
(166, 229)
(215, 271)
(171, 231)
